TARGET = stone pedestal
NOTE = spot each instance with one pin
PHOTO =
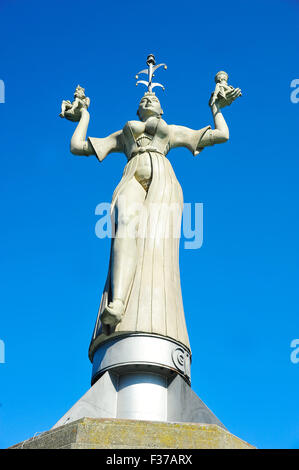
(141, 396)
(91, 433)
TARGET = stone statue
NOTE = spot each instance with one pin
(140, 348)
(142, 291)
(223, 92)
(72, 111)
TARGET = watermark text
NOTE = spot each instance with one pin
(151, 220)
(295, 93)
(2, 352)
(2, 92)
(295, 353)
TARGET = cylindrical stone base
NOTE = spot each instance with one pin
(142, 396)
(141, 352)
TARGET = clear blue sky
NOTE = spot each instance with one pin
(240, 289)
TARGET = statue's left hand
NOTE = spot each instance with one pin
(231, 95)
(73, 113)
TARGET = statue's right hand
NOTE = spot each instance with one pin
(231, 96)
(74, 115)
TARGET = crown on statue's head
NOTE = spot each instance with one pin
(79, 88)
(149, 94)
(218, 74)
(152, 67)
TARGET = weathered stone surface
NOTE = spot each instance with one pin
(91, 433)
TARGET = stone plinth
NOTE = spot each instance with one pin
(91, 433)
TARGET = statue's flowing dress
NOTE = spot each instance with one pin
(154, 302)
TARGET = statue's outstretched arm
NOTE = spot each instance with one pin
(101, 147)
(79, 144)
(221, 133)
(196, 140)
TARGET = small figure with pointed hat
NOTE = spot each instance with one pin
(73, 110)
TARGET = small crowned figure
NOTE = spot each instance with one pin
(72, 111)
(222, 88)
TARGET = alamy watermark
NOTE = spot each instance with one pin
(295, 353)
(2, 352)
(295, 93)
(152, 220)
(2, 92)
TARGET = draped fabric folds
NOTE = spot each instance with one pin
(154, 303)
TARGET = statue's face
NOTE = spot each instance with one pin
(222, 77)
(79, 93)
(149, 106)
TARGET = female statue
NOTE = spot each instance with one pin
(142, 292)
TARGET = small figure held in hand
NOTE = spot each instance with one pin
(225, 94)
(72, 111)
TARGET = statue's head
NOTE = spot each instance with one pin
(221, 76)
(80, 92)
(149, 106)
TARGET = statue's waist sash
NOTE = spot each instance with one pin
(140, 150)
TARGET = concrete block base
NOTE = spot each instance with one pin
(109, 433)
